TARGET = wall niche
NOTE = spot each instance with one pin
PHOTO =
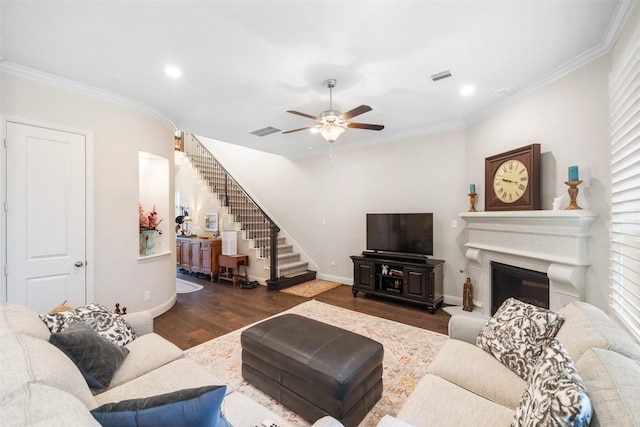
(153, 185)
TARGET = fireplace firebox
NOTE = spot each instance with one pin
(526, 285)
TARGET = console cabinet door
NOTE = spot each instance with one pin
(178, 253)
(364, 276)
(185, 254)
(196, 257)
(205, 266)
(415, 283)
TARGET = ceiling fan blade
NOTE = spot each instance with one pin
(365, 126)
(296, 130)
(303, 114)
(355, 112)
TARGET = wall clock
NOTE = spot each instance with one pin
(512, 180)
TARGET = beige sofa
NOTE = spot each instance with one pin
(40, 385)
(468, 386)
(465, 386)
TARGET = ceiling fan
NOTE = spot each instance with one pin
(331, 123)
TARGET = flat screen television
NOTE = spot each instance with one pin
(405, 233)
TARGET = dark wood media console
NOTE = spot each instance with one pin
(410, 278)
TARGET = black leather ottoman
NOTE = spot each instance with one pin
(313, 368)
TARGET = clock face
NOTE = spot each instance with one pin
(510, 181)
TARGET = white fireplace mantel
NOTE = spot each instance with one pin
(553, 242)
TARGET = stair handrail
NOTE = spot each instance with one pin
(193, 147)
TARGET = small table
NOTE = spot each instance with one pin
(231, 265)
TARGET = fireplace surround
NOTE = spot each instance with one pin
(550, 242)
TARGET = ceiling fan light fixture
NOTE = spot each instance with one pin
(331, 132)
(332, 123)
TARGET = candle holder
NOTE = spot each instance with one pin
(573, 194)
(472, 199)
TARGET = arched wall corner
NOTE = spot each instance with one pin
(120, 133)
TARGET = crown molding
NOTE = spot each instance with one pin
(619, 18)
(63, 83)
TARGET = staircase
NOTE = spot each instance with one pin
(285, 268)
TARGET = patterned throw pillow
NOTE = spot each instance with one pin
(555, 395)
(104, 321)
(58, 322)
(518, 333)
(107, 323)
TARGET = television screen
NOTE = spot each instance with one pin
(410, 233)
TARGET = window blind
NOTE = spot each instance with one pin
(624, 105)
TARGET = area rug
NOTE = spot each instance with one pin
(184, 287)
(407, 353)
(311, 289)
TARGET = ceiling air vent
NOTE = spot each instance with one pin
(440, 76)
(265, 131)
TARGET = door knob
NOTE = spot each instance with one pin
(79, 264)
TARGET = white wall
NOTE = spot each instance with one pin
(630, 27)
(322, 204)
(569, 118)
(120, 132)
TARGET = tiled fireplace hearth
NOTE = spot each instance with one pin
(550, 242)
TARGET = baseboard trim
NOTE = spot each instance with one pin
(337, 279)
(287, 282)
(164, 307)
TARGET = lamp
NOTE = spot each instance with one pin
(187, 220)
(331, 132)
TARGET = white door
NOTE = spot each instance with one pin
(45, 217)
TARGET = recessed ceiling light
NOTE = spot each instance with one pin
(172, 71)
(503, 91)
(467, 90)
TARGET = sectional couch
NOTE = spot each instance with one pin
(468, 386)
(40, 385)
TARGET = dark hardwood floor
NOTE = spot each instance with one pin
(220, 308)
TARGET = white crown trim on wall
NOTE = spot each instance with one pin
(61, 82)
(606, 44)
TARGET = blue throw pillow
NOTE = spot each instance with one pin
(194, 407)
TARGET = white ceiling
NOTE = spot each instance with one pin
(244, 63)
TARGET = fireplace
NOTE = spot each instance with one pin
(526, 285)
(550, 243)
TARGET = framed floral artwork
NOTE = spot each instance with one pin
(211, 222)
